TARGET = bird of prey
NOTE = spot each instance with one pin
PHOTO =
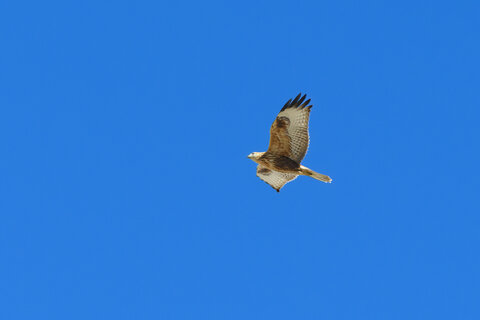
(289, 141)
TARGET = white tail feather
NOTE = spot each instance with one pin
(308, 172)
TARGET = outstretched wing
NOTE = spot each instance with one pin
(274, 178)
(289, 131)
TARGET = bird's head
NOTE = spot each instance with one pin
(255, 156)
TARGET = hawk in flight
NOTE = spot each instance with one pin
(289, 140)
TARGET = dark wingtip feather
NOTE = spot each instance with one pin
(287, 104)
(298, 102)
(295, 101)
(305, 103)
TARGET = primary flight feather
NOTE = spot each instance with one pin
(288, 145)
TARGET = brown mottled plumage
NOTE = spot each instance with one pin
(288, 145)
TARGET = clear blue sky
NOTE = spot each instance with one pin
(125, 188)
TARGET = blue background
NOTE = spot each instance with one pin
(125, 188)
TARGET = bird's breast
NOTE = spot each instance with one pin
(279, 163)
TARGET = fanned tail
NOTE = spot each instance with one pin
(308, 172)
